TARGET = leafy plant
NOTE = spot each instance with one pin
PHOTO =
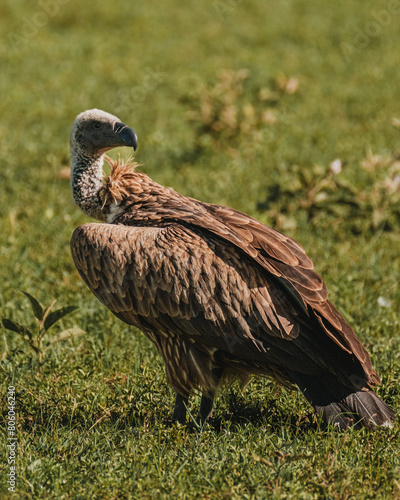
(229, 109)
(45, 318)
(322, 192)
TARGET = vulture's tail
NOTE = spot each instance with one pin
(348, 406)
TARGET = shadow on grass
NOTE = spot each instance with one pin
(237, 415)
(269, 413)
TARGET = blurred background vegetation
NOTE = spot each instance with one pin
(287, 111)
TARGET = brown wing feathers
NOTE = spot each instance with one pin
(283, 256)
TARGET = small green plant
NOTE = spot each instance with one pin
(317, 191)
(320, 192)
(45, 318)
(234, 106)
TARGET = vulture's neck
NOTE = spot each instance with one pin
(87, 182)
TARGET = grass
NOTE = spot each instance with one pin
(93, 419)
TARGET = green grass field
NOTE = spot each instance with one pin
(241, 103)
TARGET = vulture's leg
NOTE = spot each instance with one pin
(206, 406)
(180, 409)
(206, 403)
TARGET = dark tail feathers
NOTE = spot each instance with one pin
(360, 408)
(347, 407)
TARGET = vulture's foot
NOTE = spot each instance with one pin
(206, 406)
(180, 409)
(206, 403)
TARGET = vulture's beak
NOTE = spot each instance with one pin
(127, 134)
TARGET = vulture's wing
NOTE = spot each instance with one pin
(151, 271)
(285, 258)
(280, 255)
(176, 282)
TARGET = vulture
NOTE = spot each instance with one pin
(221, 295)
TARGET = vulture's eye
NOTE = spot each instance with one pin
(96, 125)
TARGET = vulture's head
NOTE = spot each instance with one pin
(95, 132)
